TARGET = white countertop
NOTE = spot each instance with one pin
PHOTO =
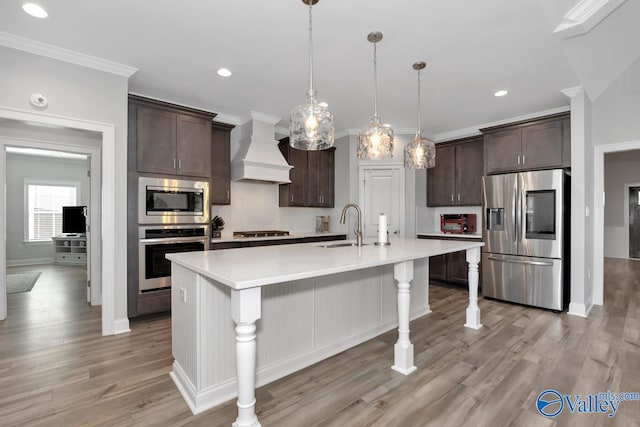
(293, 235)
(439, 233)
(265, 265)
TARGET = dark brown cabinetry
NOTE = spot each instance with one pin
(449, 268)
(171, 140)
(544, 143)
(456, 178)
(312, 177)
(220, 185)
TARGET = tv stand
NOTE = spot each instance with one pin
(70, 249)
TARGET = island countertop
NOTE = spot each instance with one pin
(260, 266)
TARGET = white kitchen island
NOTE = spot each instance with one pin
(312, 302)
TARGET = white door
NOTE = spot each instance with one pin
(382, 191)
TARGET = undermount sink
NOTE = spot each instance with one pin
(341, 245)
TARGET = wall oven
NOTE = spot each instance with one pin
(172, 201)
(157, 241)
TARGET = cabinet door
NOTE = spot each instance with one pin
(457, 268)
(441, 178)
(502, 151)
(220, 190)
(294, 194)
(320, 178)
(156, 136)
(193, 142)
(542, 145)
(438, 267)
(469, 170)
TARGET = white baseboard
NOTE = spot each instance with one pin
(120, 326)
(224, 391)
(577, 309)
(31, 261)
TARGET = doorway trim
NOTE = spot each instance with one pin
(108, 213)
(598, 220)
(626, 218)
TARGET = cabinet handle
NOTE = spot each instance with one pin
(523, 159)
(518, 160)
(228, 195)
(292, 198)
(174, 162)
(458, 196)
(179, 164)
(452, 197)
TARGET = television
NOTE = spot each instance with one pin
(74, 219)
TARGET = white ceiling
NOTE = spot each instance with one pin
(472, 49)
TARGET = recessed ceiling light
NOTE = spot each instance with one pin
(35, 10)
(501, 93)
(224, 72)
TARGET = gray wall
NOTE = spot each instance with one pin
(83, 94)
(19, 169)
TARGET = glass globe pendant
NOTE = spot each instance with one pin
(375, 140)
(421, 152)
(311, 124)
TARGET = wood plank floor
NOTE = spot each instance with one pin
(56, 369)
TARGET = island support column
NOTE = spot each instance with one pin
(403, 350)
(245, 310)
(473, 311)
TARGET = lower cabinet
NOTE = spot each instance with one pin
(450, 268)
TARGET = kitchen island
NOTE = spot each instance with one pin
(312, 301)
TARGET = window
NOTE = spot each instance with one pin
(44, 209)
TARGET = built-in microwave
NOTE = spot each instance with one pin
(172, 201)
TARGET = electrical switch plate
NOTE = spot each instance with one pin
(183, 295)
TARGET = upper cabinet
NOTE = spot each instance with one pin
(170, 139)
(220, 188)
(456, 178)
(312, 177)
(543, 143)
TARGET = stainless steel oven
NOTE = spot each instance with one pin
(157, 241)
(172, 201)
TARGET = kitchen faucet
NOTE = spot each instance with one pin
(358, 230)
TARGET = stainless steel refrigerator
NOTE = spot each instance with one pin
(526, 254)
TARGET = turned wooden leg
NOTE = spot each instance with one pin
(403, 349)
(245, 310)
(473, 311)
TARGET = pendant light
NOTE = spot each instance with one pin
(421, 152)
(375, 140)
(311, 124)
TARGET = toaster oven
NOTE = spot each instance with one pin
(458, 223)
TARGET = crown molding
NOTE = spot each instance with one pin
(43, 49)
(572, 91)
(584, 16)
(261, 117)
(475, 130)
(228, 119)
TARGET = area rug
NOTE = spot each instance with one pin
(22, 282)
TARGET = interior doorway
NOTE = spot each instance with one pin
(49, 213)
(382, 191)
(634, 221)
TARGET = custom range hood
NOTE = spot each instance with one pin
(258, 158)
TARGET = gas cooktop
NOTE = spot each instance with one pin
(260, 233)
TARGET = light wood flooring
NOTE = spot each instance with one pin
(56, 369)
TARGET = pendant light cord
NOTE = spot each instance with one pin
(419, 106)
(310, 52)
(375, 81)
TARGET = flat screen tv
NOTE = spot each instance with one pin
(74, 219)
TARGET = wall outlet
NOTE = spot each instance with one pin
(183, 295)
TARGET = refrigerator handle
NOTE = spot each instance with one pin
(519, 261)
(516, 210)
